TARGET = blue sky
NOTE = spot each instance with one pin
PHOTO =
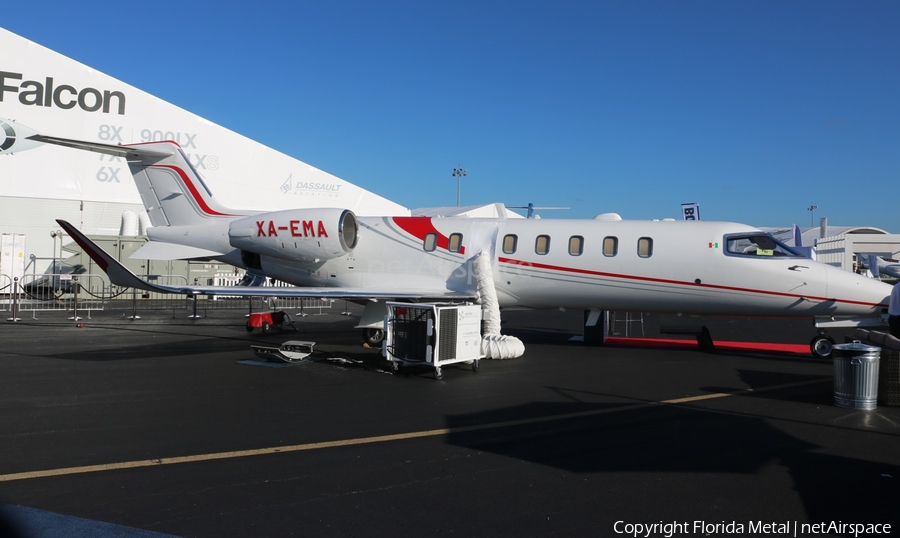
(755, 110)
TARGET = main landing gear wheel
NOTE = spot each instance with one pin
(373, 337)
(821, 346)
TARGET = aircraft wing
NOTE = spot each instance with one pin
(122, 276)
(890, 269)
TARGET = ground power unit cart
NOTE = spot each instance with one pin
(432, 335)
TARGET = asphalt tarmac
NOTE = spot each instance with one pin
(165, 426)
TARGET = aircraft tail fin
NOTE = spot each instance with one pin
(172, 191)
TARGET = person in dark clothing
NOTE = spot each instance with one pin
(894, 311)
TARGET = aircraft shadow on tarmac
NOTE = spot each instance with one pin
(758, 379)
(663, 439)
(182, 348)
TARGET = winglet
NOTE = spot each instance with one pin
(118, 273)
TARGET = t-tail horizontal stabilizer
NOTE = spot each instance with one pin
(134, 153)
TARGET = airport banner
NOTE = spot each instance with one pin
(690, 211)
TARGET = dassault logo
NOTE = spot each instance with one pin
(315, 186)
(308, 186)
(47, 94)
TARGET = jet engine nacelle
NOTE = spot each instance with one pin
(304, 235)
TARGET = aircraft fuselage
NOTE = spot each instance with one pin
(664, 266)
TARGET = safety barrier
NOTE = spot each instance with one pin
(54, 292)
(84, 293)
(134, 299)
(281, 303)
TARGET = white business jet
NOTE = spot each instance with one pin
(880, 266)
(677, 267)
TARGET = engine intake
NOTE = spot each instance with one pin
(304, 235)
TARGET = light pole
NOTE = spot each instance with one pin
(812, 212)
(458, 173)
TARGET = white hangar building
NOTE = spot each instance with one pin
(842, 246)
(45, 92)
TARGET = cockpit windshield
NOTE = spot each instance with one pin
(758, 245)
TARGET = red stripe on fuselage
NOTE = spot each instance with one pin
(420, 227)
(589, 272)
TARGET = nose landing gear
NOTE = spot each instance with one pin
(373, 337)
(821, 346)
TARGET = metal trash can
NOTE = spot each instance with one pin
(856, 375)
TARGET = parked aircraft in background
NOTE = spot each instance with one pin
(880, 266)
(679, 267)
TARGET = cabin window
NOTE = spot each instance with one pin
(430, 242)
(645, 247)
(610, 246)
(576, 245)
(757, 245)
(455, 243)
(509, 243)
(542, 244)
